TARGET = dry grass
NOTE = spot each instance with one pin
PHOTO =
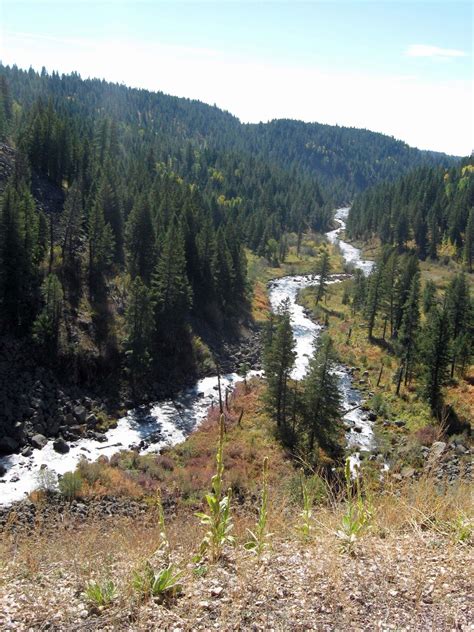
(408, 571)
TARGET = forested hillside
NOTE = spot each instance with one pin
(346, 160)
(126, 215)
(430, 209)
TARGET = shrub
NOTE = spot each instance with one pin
(47, 480)
(70, 484)
(427, 435)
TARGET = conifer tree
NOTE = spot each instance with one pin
(19, 278)
(429, 296)
(435, 356)
(170, 287)
(46, 325)
(359, 291)
(139, 329)
(374, 296)
(469, 241)
(72, 226)
(140, 241)
(278, 360)
(323, 270)
(322, 398)
(458, 307)
(409, 328)
(101, 244)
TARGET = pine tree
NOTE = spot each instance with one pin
(170, 287)
(429, 296)
(11, 261)
(359, 291)
(458, 307)
(409, 328)
(323, 270)
(19, 279)
(46, 325)
(322, 398)
(139, 329)
(101, 245)
(374, 296)
(72, 226)
(108, 199)
(140, 241)
(435, 356)
(278, 361)
(469, 241)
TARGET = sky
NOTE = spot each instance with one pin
(402, 68)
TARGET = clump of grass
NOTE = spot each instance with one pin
(259, 537)
(217, 520)
(101, 594)
(161, 585)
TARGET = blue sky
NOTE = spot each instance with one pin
(401, 68)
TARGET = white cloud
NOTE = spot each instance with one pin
(426, 114)
(424, 50)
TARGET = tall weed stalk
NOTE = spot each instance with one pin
(258, 540)
(217, 520)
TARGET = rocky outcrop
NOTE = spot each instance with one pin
(33, 402)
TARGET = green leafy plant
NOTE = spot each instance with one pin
(259, 537)
(164, 583)
(462, 530)
(357, 516)
(217, 520)
(161, 585)
(304, 526)
(101, 594)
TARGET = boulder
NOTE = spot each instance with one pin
(69, 419)
(437, 448)
(61, 446)
(3, 470)
(8, 445)
(80, 414)
(38, 441)
(91, 420)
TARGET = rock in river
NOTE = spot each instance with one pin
(61, 446)
(38, 441)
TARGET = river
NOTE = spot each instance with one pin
(169, 422)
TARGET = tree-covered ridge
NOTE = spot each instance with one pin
(344, 160)
(430, 208)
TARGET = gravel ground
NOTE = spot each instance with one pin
(418, 581)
